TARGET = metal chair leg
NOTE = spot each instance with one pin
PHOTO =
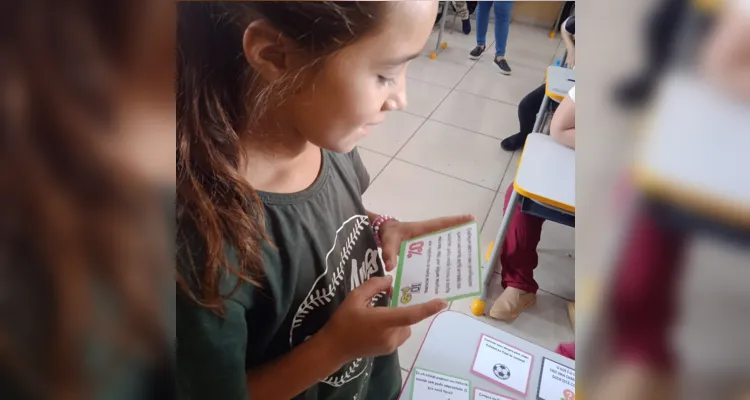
(478, 306)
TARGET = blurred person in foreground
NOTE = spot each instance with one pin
(644, 304)
(86, 106)
(726, 59)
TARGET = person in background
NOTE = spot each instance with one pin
(502, 28)
(529, 105)
(568, 33)
(518, 255)
(462, 11)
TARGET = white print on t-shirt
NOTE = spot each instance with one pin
(343, 273)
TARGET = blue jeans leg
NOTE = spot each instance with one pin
(502, 25)
(483, 20)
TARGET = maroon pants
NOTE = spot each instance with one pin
(644, 300)
(518, 256)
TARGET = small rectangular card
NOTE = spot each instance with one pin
(557, 382)
(428, 385)
(442, 265)
(503, 364)
(481, 394)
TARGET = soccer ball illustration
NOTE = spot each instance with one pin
(501, 371)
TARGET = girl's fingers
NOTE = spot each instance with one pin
(391, 247)
(438, 224)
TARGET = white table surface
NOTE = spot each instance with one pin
(547, 172)
(699, 140)
(560, 80)
(451, 344)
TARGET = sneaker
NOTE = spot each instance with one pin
(511, 303)
(514, 142)
(504, 67)
(477, 52)
(466, 26)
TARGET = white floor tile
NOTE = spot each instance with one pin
(414, 193)
(457, 152)
(391, 135)
(546, 323)
(485, 79)
(443, 73)
(456, 52)
(529, 57)
(374, 162)
(478, 114)
(556, 270)
(423, 98)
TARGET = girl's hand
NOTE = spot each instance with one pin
(359, 330)
(570, 61)
(393, 232)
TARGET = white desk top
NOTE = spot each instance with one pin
(559, 82)
(547, 173)
(697, 151)
(450, 346)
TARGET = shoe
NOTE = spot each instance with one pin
(466, 26)
(511, 304)
(477, 52)
(438, 18)
(504, 67)
(514, 142)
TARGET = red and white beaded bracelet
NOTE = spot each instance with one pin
(379, 221)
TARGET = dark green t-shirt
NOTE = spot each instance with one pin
(325, 248)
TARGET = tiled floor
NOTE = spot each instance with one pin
(442, 156)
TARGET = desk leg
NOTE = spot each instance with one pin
(478, 306)
(540, 114)
(440, 32)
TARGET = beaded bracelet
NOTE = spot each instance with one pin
(379, 221)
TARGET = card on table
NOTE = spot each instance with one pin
(557, 382)
(428, 385)
(442, 265)
(503, 364)
(481, 394)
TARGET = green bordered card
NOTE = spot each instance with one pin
(441, 265)
(431, 385)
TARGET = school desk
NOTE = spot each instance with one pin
(558, 82)
(544, 186)
(451, 344)
(695, 154)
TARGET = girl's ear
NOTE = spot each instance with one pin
(266, 50)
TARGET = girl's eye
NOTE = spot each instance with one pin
(386, 81)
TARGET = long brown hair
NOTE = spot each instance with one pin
(71, 221)
(220, 99)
